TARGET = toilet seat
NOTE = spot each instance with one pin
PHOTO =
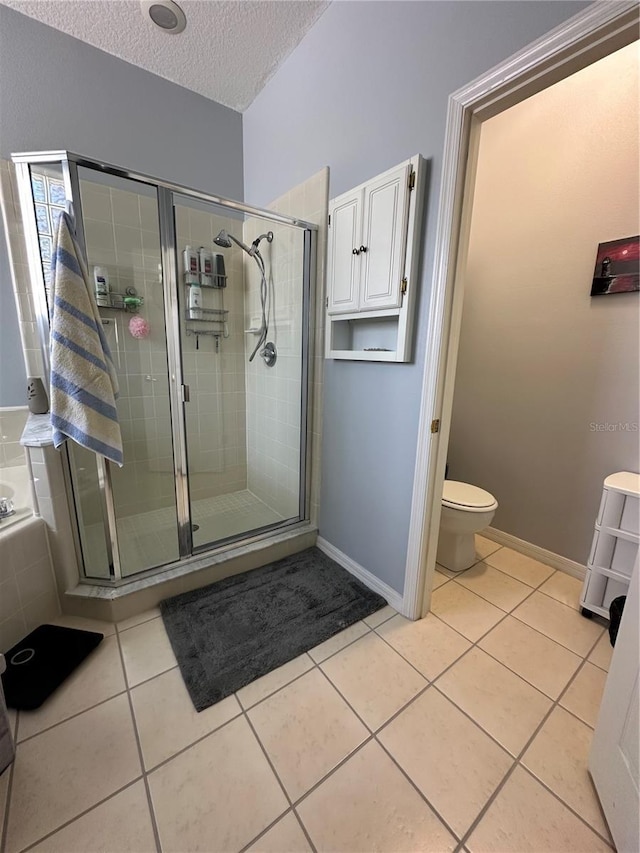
(457, 495)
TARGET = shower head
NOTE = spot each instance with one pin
(223, 240)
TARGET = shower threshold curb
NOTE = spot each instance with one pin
(90, 590)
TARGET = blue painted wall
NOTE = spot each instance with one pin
(366, 88)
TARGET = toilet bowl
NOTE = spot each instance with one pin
(466, 509)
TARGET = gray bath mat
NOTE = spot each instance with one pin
(232, 632)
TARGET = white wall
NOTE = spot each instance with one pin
(540, 360)
(365, 89)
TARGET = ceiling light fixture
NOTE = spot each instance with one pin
(165, 14)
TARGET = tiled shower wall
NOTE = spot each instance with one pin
(216, 413)
(121, 232)
(274, 393)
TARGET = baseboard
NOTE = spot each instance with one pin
(562, 564)
(394, 598)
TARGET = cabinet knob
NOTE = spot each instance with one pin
(356, 252)
(363, 248)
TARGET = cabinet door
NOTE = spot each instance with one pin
(385, 212)
(344, 266)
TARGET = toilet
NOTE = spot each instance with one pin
(466, 509)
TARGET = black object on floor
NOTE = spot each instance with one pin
(615, 615)
(37, 665)
(229, 633)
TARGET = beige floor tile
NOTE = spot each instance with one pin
(451, 760)
(519, 566)
(563, 624)
(526, 818)
(564, 588)
(132, 621)
(485, 546)
(146, 651)
(68, 621)
(285, 837)
(98, 678)
(372, 807)
(495, 586)
(338, 641)
(64, 771)
(218, 794)
(166, 719)
(446, 572)
(429, 644)
(122, 824)
(601, 655)
(307, 729)
(274, 680)
(499, 701)
(380, 616)
(539, 660)
(558, 757)
(465, 611)
(438, 579)
(584, 695)
(374, 679)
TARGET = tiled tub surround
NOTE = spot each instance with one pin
(386, 737)
(28, 595)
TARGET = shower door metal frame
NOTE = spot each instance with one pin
(165, 190)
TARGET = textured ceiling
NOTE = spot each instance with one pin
(228, 51)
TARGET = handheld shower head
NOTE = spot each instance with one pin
(256, 242)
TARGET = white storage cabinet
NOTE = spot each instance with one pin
(616, 541)
(374, 236)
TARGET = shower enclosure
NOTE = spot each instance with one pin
(213, 385)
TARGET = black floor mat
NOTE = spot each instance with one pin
(230, 633)
(39, 664)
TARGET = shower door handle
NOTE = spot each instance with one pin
(185, 394)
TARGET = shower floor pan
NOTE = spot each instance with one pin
(148, 538)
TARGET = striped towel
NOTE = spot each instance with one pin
(84, 386)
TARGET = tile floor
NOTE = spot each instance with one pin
(468, 730)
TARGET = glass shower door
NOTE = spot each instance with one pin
(121, 228)
(243, 417)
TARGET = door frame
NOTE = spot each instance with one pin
(592, 34)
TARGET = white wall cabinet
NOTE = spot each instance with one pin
(373, 252)
(616, 541)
